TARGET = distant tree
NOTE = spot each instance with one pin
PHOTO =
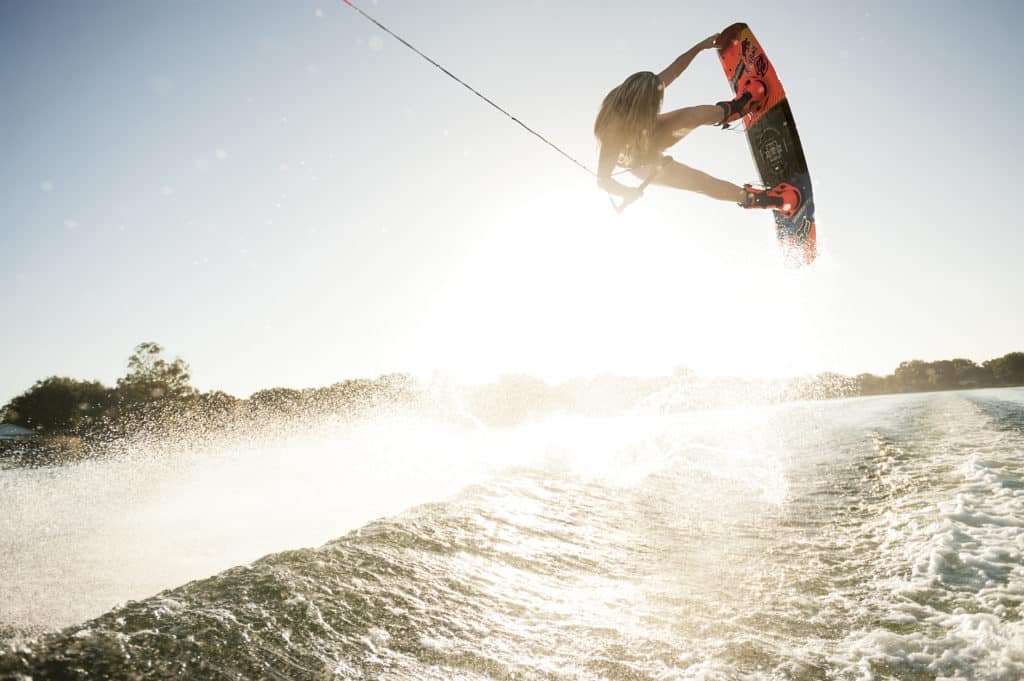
(217, 401)
(969, 374)
(607, 393)
(354, 393)
(941, 375)
(216, 405)
(1008, 369)
(277, 401)
(910, 376)
(869, 384)
(396, 388)
(829, 384)
(152, 378)
(61, 406)
(513, 399)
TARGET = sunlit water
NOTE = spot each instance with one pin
(870, 538)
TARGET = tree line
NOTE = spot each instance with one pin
(947, 374)
(155, 396)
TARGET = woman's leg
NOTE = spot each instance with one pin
(675, 174)
(675, 125)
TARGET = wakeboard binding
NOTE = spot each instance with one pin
(751, 95)
(783, 197)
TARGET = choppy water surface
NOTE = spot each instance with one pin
(857, 539)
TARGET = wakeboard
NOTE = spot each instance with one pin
(773, 140)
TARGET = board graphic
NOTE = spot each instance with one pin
(773, 140)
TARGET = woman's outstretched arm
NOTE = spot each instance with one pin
(673, 70)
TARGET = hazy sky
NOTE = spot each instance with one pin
(283, 195)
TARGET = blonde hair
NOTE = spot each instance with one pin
(628, 115)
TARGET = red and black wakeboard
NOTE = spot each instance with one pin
(773, 140)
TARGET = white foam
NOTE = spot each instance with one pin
(956, 575)
(77, 540)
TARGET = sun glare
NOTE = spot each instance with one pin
(563, 287)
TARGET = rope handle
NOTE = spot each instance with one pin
(642, 186)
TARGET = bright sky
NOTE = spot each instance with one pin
(283, 195)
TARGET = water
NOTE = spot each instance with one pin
(870, 538)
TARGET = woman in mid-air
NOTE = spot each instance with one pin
(632, 132)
